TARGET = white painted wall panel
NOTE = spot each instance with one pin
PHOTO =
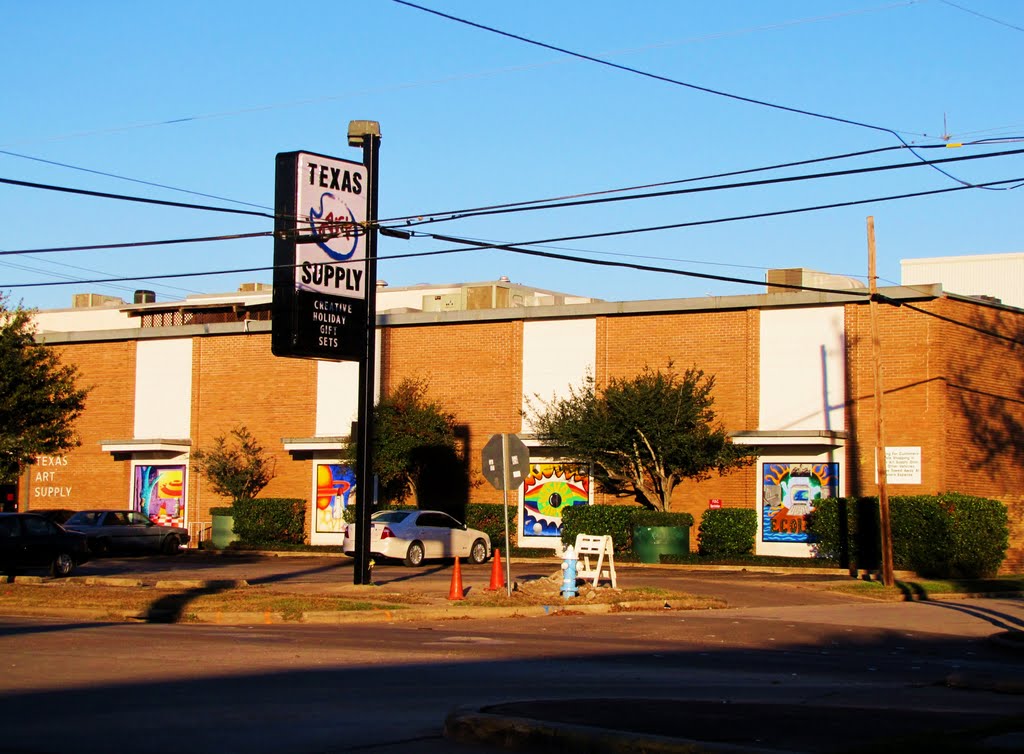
(163, 389)
(802, 369)
(337, 397)
(556, 355)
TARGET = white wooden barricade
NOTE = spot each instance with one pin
(600, 547)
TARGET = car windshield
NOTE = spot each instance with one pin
(389, 517)
(84, 518)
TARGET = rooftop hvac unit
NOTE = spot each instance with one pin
(87, 300)
(442, 302)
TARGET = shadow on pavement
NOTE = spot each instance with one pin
(753, 701)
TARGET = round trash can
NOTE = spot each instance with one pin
(651, 542)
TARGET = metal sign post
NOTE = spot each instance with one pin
(367, 134)
(506, 462)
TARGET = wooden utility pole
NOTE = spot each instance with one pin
(883, 491)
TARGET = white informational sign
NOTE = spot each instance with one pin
(902, 465)
(331, 208)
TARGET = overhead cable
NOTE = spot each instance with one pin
(484, 245)
(718, 187)
(129, 198)
(678, 82)
(130, 179)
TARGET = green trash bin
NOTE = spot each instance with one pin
(222, 531)
(651, 542)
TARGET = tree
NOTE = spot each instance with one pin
(643, 435)
(39, 396)
(412, 437)
(238, 470)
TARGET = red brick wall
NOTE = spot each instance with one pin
(724, 344)
(984, 418)
(913, 399)
(237, 381)
(92, 477)
(474, 371)
(952, 389)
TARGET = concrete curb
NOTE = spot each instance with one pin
(999, 683)
(475, 726)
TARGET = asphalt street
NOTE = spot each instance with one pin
(819, 667)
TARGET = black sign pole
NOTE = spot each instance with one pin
(369, 134)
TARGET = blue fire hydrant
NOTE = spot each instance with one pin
(569, 575)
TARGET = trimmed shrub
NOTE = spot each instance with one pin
(847, 531)
(727, 532)
(488, 517)
(945, 536)
(272, 519)
(617, 521)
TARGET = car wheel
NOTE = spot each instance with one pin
(414, 555)
(478, 552)
(170, 545)
(62, 565)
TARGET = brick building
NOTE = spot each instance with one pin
(793, 371)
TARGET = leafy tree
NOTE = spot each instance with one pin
(39, 397)
(239, 469)
(412, 436)
(643, 435)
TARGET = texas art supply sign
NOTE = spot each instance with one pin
(319, 305)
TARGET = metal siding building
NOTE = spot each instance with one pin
(998, 275)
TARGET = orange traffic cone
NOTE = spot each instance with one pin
(497, 575)
(455, 592)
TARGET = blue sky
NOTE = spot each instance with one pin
(201, 96)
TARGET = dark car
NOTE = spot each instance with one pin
(57, 515)
(126, 531)
(28, 540)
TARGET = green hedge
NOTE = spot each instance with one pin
(946, 536)
(488, 517)
(270, 519)
(726, 532)
(617, 521)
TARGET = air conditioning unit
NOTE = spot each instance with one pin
(442, 302)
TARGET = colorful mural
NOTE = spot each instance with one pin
(788, 494)
(335, 486)
(548, 490)
(159, 492)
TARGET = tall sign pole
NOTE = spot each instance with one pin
(325, 282)
(366, 133)
(883, 488)
(505, 463)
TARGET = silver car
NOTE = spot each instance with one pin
(112, 531)
(415, 536)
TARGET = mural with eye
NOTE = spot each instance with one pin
(548, 491)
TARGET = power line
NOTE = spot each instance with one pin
(139, 244)
(129, 198)
(128, 178)
(503, 209)
(676, 82)
(604, 192)
(514, 248)
(735, 218)
(981, 15)
(702, 189)
(481, 245)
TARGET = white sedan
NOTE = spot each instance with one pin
(414, 536)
